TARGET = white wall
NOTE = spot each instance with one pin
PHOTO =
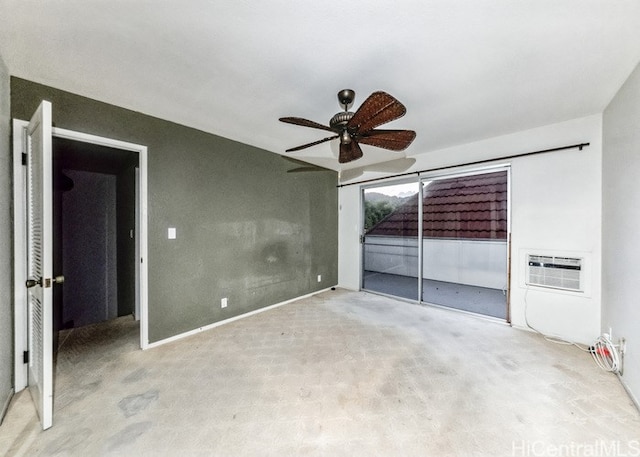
(621, 223)
(6, 249)
(556, 207)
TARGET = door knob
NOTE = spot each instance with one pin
(46, 283)
(33, 282)
(51, 281)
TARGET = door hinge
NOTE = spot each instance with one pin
(361, 239)
(24, 158)
(25, 357)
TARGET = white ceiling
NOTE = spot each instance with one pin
(465, 69)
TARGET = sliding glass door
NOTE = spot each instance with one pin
(390, 240)
(464, 242)
(442, 241)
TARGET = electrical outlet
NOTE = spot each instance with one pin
(319, 278)
(623, 346)
(224, 302)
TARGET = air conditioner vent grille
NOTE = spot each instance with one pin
(555, 272)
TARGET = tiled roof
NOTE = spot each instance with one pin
(465, 207)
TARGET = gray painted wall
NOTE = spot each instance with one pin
(6, 247)
(247, 229)
(89, 249)
(621, 220)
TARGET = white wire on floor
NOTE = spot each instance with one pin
(603, 351)
(605, 354)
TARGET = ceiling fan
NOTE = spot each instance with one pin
(360, 127)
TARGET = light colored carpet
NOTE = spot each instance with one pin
(339, 374)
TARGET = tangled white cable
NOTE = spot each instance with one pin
(605, 353)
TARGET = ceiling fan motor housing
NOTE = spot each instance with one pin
(338, 124)
(339, 121)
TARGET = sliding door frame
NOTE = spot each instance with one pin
(420, 179)
(381, 184)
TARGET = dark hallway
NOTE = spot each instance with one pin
(94, 232)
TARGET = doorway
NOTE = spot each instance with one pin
(20, 242)
(94, 232)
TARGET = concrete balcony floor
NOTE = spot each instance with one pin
(479, 300)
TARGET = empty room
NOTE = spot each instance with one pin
(319, 229)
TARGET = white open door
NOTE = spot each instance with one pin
(33, 260)
(40, 262)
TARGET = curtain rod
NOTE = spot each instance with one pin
(477, 162)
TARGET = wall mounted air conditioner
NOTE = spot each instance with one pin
(555, 272)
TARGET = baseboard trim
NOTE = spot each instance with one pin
(629, 392)
(231, 319)
(5, 407)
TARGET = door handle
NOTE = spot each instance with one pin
(33, 282)
(50, 281)
(46, 283)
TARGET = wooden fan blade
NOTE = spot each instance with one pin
(308, 145)
(395, 140)
(376, 110)
(349, 152)
(305, 123)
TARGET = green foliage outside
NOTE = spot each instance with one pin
(374, 212)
